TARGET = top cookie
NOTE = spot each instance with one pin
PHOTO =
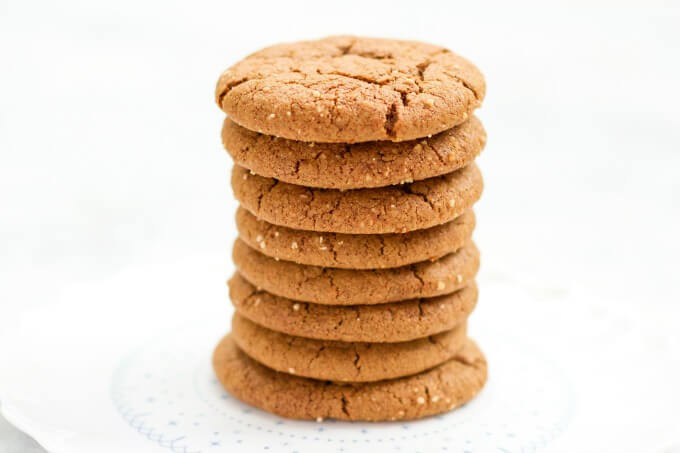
(345, 89)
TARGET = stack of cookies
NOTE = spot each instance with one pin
(356, 273)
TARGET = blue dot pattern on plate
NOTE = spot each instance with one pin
(172, 398)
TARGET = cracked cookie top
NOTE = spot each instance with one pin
(360, 165)
(350, 89)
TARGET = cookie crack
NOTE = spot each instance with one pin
(316, 356)
(358, 78)
(370, 56)
(297, 71)
(466, 85)
(343, 401)
(465, 362)
(397, 397)
(334, 253)
(338, 324)
(355, 362)
(329, 275)
(409, 190)
(262, 194)
(414, 271)
(404, 98)
(298, 162)
(422, 67)
(228, 87)
(438, 154)
(441, 51)
(391, 118)
(335, 206)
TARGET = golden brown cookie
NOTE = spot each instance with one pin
(392, 322)
(437, 390)
(344, 361)
(347, 89)
(323, 285)
(354, 251)
(362, 165)
(393, 209)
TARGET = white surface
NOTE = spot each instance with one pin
(110, 165)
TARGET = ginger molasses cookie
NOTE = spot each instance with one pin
(344, 361)
(437, 390)
(362, 165)
(383, 323)
(324, 285)
(349, 89)
(393, 209)
(354, 251)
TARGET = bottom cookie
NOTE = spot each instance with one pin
(437, 390)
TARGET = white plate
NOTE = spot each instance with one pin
(111, 371)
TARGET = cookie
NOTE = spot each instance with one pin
(362, 165)
(346, 89)
(324, 285)
(354, 251)
(437, 390)
(384, 323)
(344, 361)
(393, 209)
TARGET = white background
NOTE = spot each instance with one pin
(110, 159)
